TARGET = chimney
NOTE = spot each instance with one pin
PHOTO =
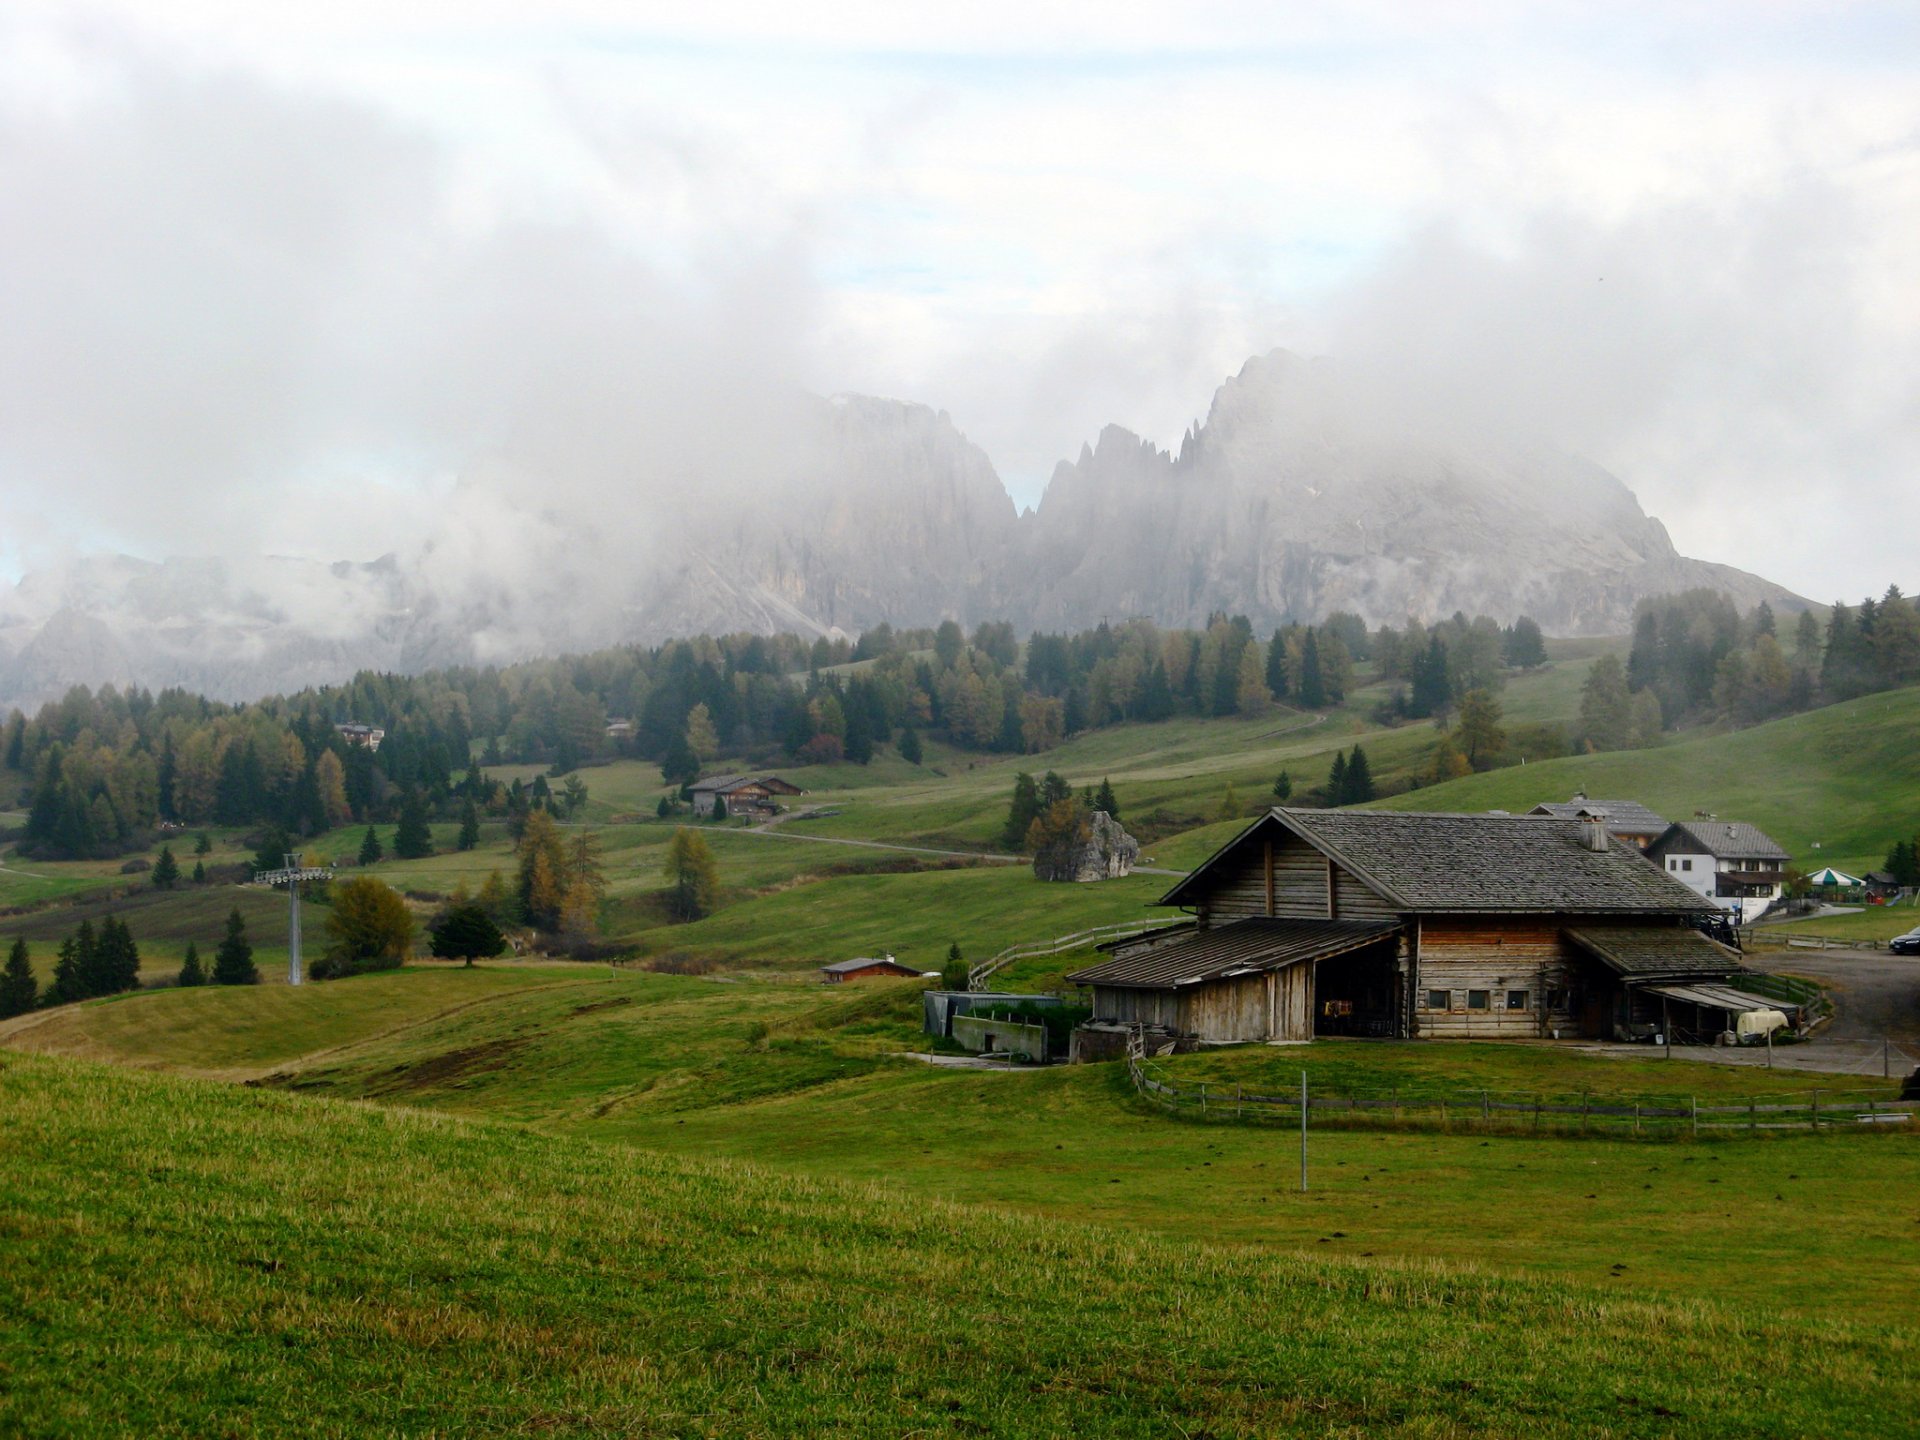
(1593, 833)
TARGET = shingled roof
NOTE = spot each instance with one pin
(1474, 864)
(1722, 839)
(1245, 947)
(1624, 817)
(1657, 953)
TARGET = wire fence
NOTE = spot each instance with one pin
(1503, 1112)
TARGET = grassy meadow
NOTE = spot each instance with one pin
(474, 1278)
(697, 1192)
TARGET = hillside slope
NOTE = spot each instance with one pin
(1837, 785)
(476, 1278)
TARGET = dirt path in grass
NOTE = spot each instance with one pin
(767, 832)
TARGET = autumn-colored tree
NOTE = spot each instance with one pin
(701, 737)
(331, 778)
(1478, 732)
(1251, 693)
(368, 928)
(543, 871)
(693, 879)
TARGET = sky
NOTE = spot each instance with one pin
(255, 259)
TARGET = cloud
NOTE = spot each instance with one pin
(240, 314)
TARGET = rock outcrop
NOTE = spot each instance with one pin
(1097, 849)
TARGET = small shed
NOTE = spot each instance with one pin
(867, 967)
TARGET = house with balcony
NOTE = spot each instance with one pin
(1738, 867)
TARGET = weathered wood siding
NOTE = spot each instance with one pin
(1277, 1005)
(1494, 954)
(1280, 874)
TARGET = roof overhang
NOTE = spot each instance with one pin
(1227, 952)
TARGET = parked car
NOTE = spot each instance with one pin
(1907, 944)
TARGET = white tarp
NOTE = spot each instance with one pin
(1760, 1022)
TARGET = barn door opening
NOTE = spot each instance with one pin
(1354, 993)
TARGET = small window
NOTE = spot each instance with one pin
(1479, 1000)
(1686, 864)
(1439, 999)
(1672, 864)
(1556, 999)
(1516, 999)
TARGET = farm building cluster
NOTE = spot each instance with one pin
(1549, 925)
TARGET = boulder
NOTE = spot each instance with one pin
(1098, 849)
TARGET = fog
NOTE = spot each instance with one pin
(503, 301)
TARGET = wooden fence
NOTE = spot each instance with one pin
(1506, 1113)
(979, 974)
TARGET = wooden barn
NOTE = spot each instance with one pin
(867, 967)
(1348, 922)
(742, 794)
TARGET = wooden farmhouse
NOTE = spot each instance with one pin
(742, 794)
(867, 967)
(1347, 922)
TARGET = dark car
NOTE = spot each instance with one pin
(1907, 944)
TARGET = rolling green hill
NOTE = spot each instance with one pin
(1844, 779)
(271, 1264)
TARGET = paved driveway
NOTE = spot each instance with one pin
(1876, 1021)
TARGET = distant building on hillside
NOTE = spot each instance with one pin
(1739, 867)
(871, 967)
(366, 736)
(1354, 922)
(742, 794)
(1626, 819)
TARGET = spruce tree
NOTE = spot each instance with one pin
(166, 870)
(910, 748)
(412, 840)
(1021, 812)
(1313, 688)
(1277, 665)
(1104, 799)
(199, 873)
(19, 992)
(192, 972)
(116, 958)
(664, 808)
(1337, 779)
(86, 953)
(370, 849)
(203, 845)
(233, 961)
(70, 977)
(469, 827)
(1359, 778)
(1283, 787)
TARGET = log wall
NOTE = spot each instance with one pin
(1495, 955)
(1283, 875)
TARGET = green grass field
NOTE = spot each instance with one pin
(1835, 786)
(711, 1197)
(273, 1265)
(805, 1079)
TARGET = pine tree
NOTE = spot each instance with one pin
(1283, 787)
(233, 961)
(719, 808)
(664, 808)
(192, 972)
(1313, 688)
(910, 747)
(1277, 665)
(1021, 812)
(1229, 804)
(91, 973)
(69, 974)
(370, 848)
(1359, 778)
(469, 826)
(1337, 779)
(199, 873)
(116, 958)
(166, 870)
(412, 839)
(19, 992)
(1104, 799)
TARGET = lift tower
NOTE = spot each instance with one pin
(290, 875)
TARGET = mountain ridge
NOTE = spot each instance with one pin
(1299, 494)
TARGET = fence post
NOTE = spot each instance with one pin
(1816, 1110)
(1303, 1132)
(1753, 1118)
(1886, 1058)
(1486, 1110)
(1586, 1099)
(1203, 1099)
(1636, 1117)
(1236, 1101)
(1696, 1115)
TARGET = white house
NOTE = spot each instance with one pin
(1738, 867)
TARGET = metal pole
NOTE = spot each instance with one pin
(293, 923)
(1666, 1027)
(1886, 1058)
(1303, 1132)
(1769, 1049)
